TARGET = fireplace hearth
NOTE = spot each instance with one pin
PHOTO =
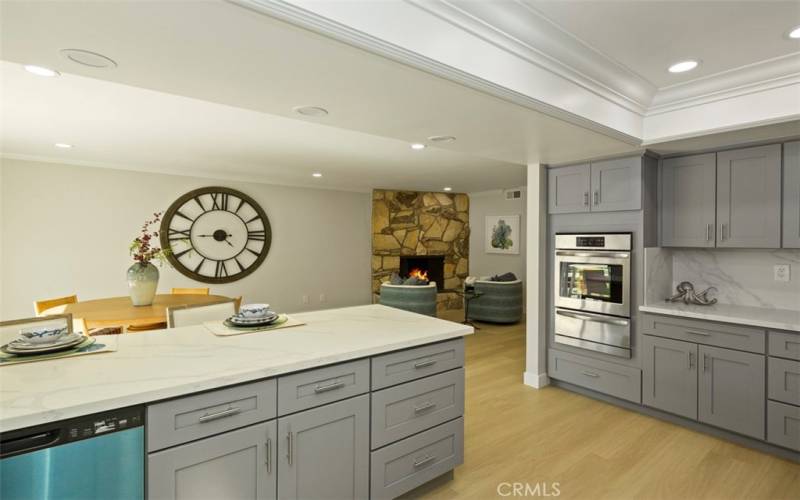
(432, 265)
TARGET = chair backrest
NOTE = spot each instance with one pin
(190, 291)
(237, 302)
(42, 305)
(197, 314)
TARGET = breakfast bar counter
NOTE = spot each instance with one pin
(163, 364)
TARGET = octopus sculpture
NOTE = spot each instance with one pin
(687, 294)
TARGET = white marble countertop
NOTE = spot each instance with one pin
(164, 364)
(776, 319)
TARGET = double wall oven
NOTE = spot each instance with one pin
(592, 292)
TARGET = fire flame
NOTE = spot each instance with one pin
(419, 274)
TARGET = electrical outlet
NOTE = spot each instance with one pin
(322, 298)
(782, 272)
(305, 299)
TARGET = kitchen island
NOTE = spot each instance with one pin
(375, 393)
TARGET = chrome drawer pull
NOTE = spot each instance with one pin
(422, 461)
(329, 387)
(704, 334)
(591, 374)
(423, 407)
(289, 446)
(208, 417)
(268, 460)
(423, 364)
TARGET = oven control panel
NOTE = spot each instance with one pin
(597, 241)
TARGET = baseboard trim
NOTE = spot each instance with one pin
(536, 380)
(745, 441)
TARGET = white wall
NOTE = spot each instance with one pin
(66, 229)
(489, 264)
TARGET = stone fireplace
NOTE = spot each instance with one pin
(412, 224)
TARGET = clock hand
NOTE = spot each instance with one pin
(228, 242)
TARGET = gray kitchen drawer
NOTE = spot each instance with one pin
(403, 466)
(400, 411)
(308, 389)
(784, 345)
(398, 367)
(783, 380)
(705, 332)
(193, 417)
(783, 425)
(615, 380)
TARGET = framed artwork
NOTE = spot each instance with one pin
(503, 234)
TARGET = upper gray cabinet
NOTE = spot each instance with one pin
(688, 201)
(749, 197)
(617, 184)
(599, 186)
(568, 189)
(791, 195)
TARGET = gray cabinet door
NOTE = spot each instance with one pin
(688, 201)
(791, 195)
(568, 189)
(669, 376)
(617, 184)
(324, 452)
(731, 393)
(749, 197)
(239, 464)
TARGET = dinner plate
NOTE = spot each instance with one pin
(238, 320)
(238, 324)
(10, 349)
(67, 340)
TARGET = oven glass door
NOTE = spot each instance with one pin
(593, 281)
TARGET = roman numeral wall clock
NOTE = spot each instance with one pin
(216, 234)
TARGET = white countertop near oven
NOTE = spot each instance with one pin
(152, 366)
(775, 319)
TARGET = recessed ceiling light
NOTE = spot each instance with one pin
(40, 71)
(794, 33)
(316, 111)
(62, 145)
(417, 146)
(441, 138)
(87, 58)
(316, 174)
(448, 188)
(683, 66)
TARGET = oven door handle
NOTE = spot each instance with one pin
(593, 254)
(591, 317)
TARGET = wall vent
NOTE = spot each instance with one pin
(513, 194)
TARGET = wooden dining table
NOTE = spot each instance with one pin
(120, 311)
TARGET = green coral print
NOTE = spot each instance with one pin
(501, 233)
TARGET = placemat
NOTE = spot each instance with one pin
(220, 330)
(91, 345)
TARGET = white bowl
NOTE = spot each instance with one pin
(254, 310)
(42, 335)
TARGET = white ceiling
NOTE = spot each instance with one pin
(244, 72)
(648, 36)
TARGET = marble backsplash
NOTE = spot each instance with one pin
(742, 277)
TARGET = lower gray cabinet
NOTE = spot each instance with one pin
(237, 464)
(669, 376)
(324, 452)
(732, 390)
(783, 425)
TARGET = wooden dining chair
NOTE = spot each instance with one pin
(190, 291)
(237, 303)
(146, 327)
(41, 306)
(200, 313)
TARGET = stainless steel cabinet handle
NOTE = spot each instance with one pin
(586, 198)
(329, 387)
(208, 417)
(268, 460)
(705, 362)
(596, 319)
(289, 445)
(597, 197)
(424, 460)
(708, 232)
(704, 334)
(424, 406)
(423, 364)
(691, 360)
(722, 231)
(591, 374)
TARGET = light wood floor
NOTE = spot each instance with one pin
(594, 450)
